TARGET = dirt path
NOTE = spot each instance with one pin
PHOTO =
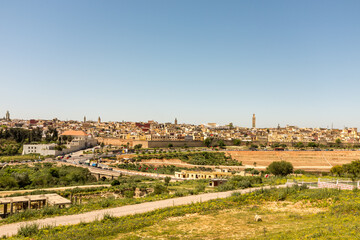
(4, 193)
(11, 229)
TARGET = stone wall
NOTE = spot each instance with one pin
(119, 142)
(154, 144)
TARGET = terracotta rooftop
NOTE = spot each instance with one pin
(74, 133)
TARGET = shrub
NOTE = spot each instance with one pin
(200, 188)
(160, 189)
(299, 171)
(115, 183)
(28, 230)
(280, 168)
(167, 180)
(108, 217)
(181, 193)
(129, 194)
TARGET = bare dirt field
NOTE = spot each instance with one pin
(321, 161)
(307, 160)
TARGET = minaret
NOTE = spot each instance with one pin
(175, 121)
(7, 116)
(84, 119)
(254, 121)
(99, 120)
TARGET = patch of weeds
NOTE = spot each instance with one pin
(28, 230)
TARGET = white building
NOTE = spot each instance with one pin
(79, 140)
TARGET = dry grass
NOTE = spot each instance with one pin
(229, 224)
(297, 158)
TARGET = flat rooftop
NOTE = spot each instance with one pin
(52, 199)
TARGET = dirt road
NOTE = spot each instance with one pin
(11, 229)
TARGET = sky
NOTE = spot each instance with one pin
(289, 62)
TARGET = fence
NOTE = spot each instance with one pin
(338, 184)
(341, 184)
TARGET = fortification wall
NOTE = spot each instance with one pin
(119, 142)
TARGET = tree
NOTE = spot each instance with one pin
(337, 170)
(283, 145)
(207, 142)
(237, 142)
(115, 183)
(312, 145)
(338, 141)
(159, 189)
(352, 169)
(253, 145)
(221, 143)
(167, 180)
(280, 168)
(299, 145)
(138, 146)
(275, 145)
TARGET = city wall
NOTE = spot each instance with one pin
(163, 144)
(119, 142)
(154, 144)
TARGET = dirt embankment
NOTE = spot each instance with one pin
(306, 160)
(315, 160)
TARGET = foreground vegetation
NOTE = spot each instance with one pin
(290, 213)
(123, 193)
(42, 175)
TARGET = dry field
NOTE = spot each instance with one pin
(228, 224)
(307, 160)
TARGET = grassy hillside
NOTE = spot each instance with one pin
(292, 213)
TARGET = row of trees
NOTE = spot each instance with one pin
(12, 139)
(42, 175)
(21, 135)
(351, 170)
(213, 142)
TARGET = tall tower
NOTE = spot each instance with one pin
(7, 116)
(84, 119)
(99, 120)
(175, 121)
(254, 121)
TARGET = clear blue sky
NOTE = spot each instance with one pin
(290, 62)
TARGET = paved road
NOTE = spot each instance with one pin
(11, 229)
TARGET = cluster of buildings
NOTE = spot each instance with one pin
(155, 134)
(78, 140)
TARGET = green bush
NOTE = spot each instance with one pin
(28, 230)
(280, 168)
(160, 189)
(115, 183)
(129, 194)
(42, 175)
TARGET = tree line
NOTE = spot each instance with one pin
(12, 139)
(42, 175)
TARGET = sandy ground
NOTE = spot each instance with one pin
(300, 159)
(306, 160)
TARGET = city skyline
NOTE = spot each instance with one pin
(290, 62)
(175, 121)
